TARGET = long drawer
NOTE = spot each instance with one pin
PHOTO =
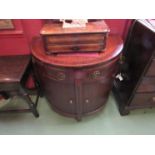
(141, 100)
(74, 38)
(74, 48)
(147, 85)
(87, 74)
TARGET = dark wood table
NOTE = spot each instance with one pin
(77, 84)
(13, 75)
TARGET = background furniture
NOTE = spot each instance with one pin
(137, 90)
(77, 84)
(13, 76)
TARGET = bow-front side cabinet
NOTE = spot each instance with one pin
(77, 84)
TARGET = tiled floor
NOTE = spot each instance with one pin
(106, 122)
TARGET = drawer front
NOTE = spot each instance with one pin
(141, 100)
(60, 95)
(104, 71)
(74, 48)
(54, 73)
(76, 38)
(9, 86)
(151, 69)
(147, 85)
(87, 74)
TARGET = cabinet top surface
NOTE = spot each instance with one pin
(113, 49)
(91, 27)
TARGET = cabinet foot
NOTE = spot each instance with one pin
(124, 112)
(78, 119)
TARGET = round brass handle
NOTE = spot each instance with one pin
(75, 48)
(61, 76)
(96, 74)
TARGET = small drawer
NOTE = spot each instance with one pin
(151, 69)
(147, 85)
(141, 100)
(54, 73)
(98, 72)
(74, 48)
(74, 38)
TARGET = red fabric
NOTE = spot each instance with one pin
(119, 26)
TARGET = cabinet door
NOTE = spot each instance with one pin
(96, 86)
(60, 95)
(95, 94)
(58, 86)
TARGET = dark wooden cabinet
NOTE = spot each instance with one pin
(77, 84)
(137, 89)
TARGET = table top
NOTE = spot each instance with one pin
(113, 49)
(13, 67)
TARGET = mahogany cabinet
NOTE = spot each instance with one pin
(77, 84)
(137, 89)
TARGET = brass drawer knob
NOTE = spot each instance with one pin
(87, 101)
(96, 74)
(70, 101)
(61, 76)
(75, 48)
